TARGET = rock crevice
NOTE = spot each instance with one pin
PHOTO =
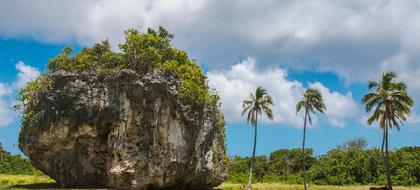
(123, 131)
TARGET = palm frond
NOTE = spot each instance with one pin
(372, 84)
(389, 100)
(312, 101)
(259, 102)
(300, 105)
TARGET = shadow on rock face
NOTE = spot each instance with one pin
(125, 131)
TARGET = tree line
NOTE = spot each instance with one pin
(349, 164)
(15, 164)
(144, 52)
(387, 100)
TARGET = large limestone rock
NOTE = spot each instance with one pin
(123, 131)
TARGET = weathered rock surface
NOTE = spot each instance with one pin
(123, 131)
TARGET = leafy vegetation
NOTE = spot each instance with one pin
(142, 52)
(28, 97)
(281, 186)
(343, 165)
(392, 105)
(350, 163)
(15, 164)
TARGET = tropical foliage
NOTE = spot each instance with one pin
(350, 163)
(142, 52)
(15, 164)
(391, 105)
(340, 166)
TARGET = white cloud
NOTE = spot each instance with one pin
(355, 39)
(8, 92)
(26, 74)
(235, 85)
(337, 122)
(339, 107)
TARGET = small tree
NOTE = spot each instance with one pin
(257, 104)
(392, 105)
(312, 101)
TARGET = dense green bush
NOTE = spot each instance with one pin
(281, 166)
(405, 164)
(339, 167)
(14, 164)
(286, 162)
(350, 163)
(142, 52)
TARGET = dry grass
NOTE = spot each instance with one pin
(279, 186)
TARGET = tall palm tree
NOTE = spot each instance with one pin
(392, 105)
(257, 104)
(312, 101)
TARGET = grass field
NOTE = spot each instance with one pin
(44, 182)
(8, 181)
(278, 186)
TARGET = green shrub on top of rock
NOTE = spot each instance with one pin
(142, 52)
(141, 118)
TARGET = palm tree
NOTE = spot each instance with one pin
(256, 105)
(392, 105)
(311, 102)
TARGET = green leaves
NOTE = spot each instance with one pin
(28, 96)
(15, 164)
(257, 104)
(142, 52)
(389, 100)
(312, 100)
(340, 166)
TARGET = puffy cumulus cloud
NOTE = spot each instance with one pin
(235, 85)
(92, 20)
(8, 92)
(356, 39)
(339, 106)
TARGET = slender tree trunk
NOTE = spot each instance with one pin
(383, 143)
(253, 154)
(387, 167)
(303, 150)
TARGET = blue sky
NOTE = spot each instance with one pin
(336, 47)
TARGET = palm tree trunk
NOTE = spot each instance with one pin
(388, 173)
(383, 143)
(303, 150)
(253, 154)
